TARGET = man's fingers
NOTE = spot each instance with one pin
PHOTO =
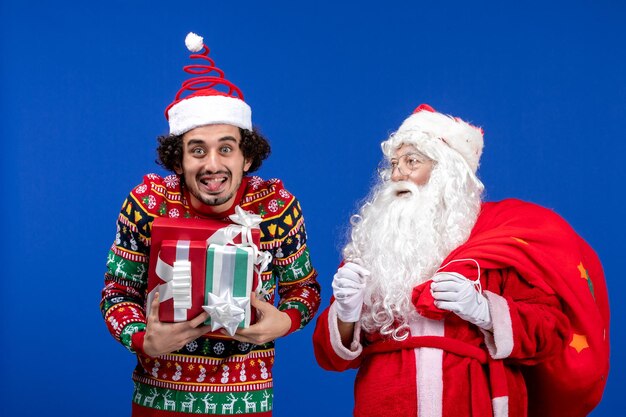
(154, 308)
(445, 296)
(447, 286)
(357, 269)
(240, 337)
(199, 319)
(347, 282)
(258, 303)
(199, 331)
(447, 305)
(449, 277)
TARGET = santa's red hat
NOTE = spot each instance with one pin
(461, 136)
(207, 97)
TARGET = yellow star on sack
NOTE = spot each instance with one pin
(519, 240)
(583, 271)
(579, 342)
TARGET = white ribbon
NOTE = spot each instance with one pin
(181, 284)
(245, 222)
(226, 311)
(177, 281)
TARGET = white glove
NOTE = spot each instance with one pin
(349, 291)
(455, 293)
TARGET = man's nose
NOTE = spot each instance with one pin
(396, 174)
(212, 162)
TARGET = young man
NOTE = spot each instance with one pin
(211, 148)
(444, 302)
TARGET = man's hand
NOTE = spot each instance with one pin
(162, 338)
(349, 291)
(453, 292)
(270, 325)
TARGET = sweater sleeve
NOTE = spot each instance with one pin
(528, 324)
(125, 279)
(296, 277)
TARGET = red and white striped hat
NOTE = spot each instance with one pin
(207, 97)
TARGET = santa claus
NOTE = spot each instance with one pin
(447, 305)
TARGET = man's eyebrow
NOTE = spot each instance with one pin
(227, 138)
(192, 142)
(195, 142)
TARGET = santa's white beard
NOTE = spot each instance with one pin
(402, 238)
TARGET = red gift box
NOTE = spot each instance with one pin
(186, 240)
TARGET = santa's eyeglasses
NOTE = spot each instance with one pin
(405, 164)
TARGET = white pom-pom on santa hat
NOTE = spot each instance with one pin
(207, 97)
(461, 136)
(194, 42)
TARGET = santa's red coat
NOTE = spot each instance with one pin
(548, 301)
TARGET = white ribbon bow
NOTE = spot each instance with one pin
(249, 221)
(246, 219)
(226, 311)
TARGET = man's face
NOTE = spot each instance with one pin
(408, 164)
(213, 165)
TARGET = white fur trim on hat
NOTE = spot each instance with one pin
(198, 111)
(459, 135)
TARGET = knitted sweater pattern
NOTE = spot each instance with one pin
(210, 375)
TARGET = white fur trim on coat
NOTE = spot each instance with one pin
(500, 406)
(428, 368)
(335, 338)
(499, 341)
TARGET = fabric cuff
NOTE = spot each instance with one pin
(296, 319)
(137, 340)
(499, 340)
(335, 338)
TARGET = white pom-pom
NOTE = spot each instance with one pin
(194, 42)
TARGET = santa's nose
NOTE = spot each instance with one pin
(397, 175)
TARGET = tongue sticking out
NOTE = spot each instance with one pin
(213, 185)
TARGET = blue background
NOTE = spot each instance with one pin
(84, 86)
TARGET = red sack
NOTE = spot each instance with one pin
(549, 254)
(425, 303)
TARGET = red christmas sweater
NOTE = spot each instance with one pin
(546, 356)
(210, 375)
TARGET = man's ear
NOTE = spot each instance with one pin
(178, 169)
(247, 164)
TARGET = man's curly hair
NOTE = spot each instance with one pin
(253, 145)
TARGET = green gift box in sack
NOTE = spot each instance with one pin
(201, 265)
